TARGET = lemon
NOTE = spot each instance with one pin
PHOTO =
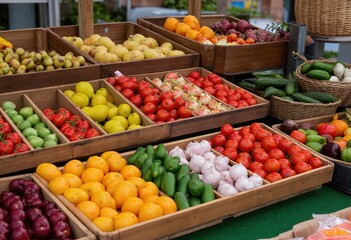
(111, 112)
(113, 126)
(80, 99)
(98, 100)
(134, 126)
(102, 91)
(98, 113)
(86, 88)
(69, 93)
(134, 118)
(110, 104)
(124, 109)
(122, 120)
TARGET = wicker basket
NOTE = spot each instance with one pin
(341, 90)
(324, 17)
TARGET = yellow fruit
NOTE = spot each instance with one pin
(133, 126)
(97, 162)
(124, 109)
(113, 126)
(122, 120)
(111, 185)
(134, 118)
(73, 180)
(147, 188)
(109, 177)
(116, 162)
(80, 100)
(92, 175)
(150, 198)
(102, 91)
(98, 100)
(58, 185)
(48, 171)
(137, 181)
(110, 103)
(122, 191)
(125, 219)
(132, 204)
(89, 209)
(149, 211)
(105, 224)
(76, 195)
(75, 167)
(103, 199)
(112, 112)
(130, 171)
(86, 88)
(98, 113)
(92, 187)
(110, 100)
(167, 204)
(108, 212)
(106, 154)
(69, 93)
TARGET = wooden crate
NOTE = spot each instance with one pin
(40, 39)
(226, 59)
(118, 33)
(191, 219)
(202, 123)
(79, 231)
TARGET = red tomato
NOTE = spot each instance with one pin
(245, 145)
(294, 149)
(307, 154)
(118, 88)
(133, 79)
(137, 100)
(233, 103)
(146, 92)
(162, 115)
(298, 157)
(251, 101)
(287, 172)
(242, 103)
(235, 136)
(277, 138)
(111, 80)
(68, 131)
(260, 156)
(6, 147)
(243, 161)
(210, 90)
(92, 132)
(167, 104)
(13, 137)
(315, 162)
(142, 85)
(65, 113)
(245, 155)
(271, 165)
(223, 99)
(156, 91)
(194, 74)
(227, 130)
(255, 165)
(206, 83)
(234, 97)
(152, 116)
(128, 93)
(301, 167)
(276, 153)
(58, 120)
(231, 144)
(257, 145)
(273, 177)
(149, 108)
(219, 149)
(83, 126)
(255, 125)
(261, 133)
(219, 140)
(49, 113)
(75, 119)
(285, 144)
(249, 136)
(260, 172)
(268, 143)
(173, 114)
(221, 93)
(129, 85)
(246, 95)
(298, 135)
(166, 95)
(231, 153)
(284, 163)
(184, 112)
(150, 98)
(178, 102)
(244, 130)
(122, 79)
(20, 147)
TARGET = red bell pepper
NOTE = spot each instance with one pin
(326, 128)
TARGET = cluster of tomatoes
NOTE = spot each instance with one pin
(71, 125)
(213, 84)
(159, 107)
(269, 155)
(10, 141)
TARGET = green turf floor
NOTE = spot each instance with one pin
(277, 218)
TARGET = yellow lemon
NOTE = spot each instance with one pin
(98, 113)
(112, 112)
(76, 195)
(110, 104)
(122, 120)
(98, 100)
(133, 126)
(86, 88)
(113, 126)
(80, 99)
(102, 91)
(134, 118)
(124, 109)
(69, 93)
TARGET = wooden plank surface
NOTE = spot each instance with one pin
(85, 18)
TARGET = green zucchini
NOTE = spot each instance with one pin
(300, 97)
(247, 85)
(168, 183)
(269, 91)
(318, 74)
(264, 82)
(181, 200)
(323, 66)
(290, 87)
(321, 96)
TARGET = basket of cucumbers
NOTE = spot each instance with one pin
(326, 76)
(287, 101)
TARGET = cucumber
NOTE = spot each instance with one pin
(195, 187)
(323, 66)
(318, 74)
(182, 171)
(288, 98)
(247, 85)
(157, 181)
(290, 87)
(146, 166)
(306, 67)
(321, 96)
(300, 97)
(194, 176)
(181, 200)
(140, 160)
(269, 91)
(264, 82)
(150, 151)
(183, 184)
(168, 184)
(207, 194)
(265, 74)
(194, 201)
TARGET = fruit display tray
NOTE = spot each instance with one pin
(118, 33)
(342, 170)
(79, 231)
(226, 59)
(193, 218)
(40, 39)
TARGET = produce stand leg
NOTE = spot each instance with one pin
(297, 40)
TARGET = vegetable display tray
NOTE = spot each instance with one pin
(193, 218)
(40, 39)
(226, 59)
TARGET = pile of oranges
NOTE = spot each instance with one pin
(106, 190)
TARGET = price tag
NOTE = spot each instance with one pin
(118, 74)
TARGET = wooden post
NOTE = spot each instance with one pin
(85, 18)
(194, 8)
(297, 39)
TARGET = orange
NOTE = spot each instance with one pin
(207, 32)
(97, 162)
(92, 187)
(130, 171)
(171, 24)
(137, 181)
(150, 198)
(125, 219)
(92, 175)
(58, 185)
(106, 154)
(167, 204)
(108, 212)
(48, 171)
(149, 211)
(115, 162)
(110, 177)
(75, 167)
(105, 224)
(89, 209)
(103, 199)
(73, 180)
(340, 125)
(122, 191)
(132, 204)
(192, 21)
(147, 188)
(182, 28)
(111, 185)
(192, 34)
(76, 195)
